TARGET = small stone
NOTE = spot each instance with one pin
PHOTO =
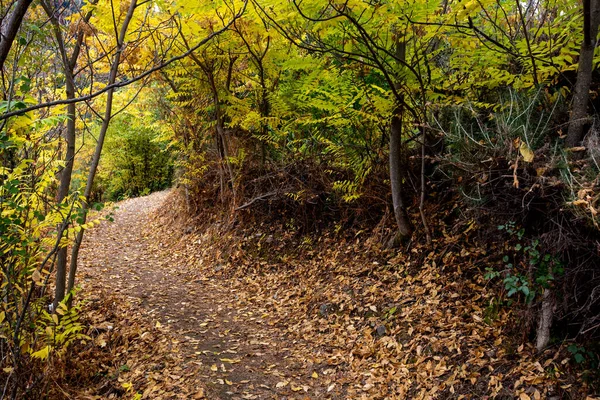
(324, 309)
(381, 331)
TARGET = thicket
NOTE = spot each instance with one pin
(357, 115)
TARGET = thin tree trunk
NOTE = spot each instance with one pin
(581, 95)
(402, 220)
(67, 171)
(98, 151)
(221, 131)
(7, 36)
(545, 321)
(63, 191)
(423, 188)
(265, 108)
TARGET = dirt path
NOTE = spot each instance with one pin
(228, 351)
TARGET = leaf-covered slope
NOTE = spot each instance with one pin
(422, 323)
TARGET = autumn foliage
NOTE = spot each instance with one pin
(409, 191)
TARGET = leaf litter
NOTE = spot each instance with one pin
(261, 313)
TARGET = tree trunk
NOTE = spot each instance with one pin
(63, 191)
(67, 171)
(265, 108)
(581, 95)
(8, 34)
(99, 145)
(219, 126)
(545, 321)
(402, 220)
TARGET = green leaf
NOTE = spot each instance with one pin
(573, 349)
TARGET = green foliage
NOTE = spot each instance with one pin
(137, 160)
(56, 331)
(528, 270)
(32, 228)
(578, 352)
(474, 133)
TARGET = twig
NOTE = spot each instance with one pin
(254, 200)
(422, 200)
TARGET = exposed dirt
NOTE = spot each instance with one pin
(228, 351)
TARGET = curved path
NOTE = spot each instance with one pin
(226, 352)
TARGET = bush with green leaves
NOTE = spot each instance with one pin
(136, 161)
(32, 228)
(528, 270)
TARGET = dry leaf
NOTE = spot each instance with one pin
(295, 388)
(526, 152)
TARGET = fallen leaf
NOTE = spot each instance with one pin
(295, 388)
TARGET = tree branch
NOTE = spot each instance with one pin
(126, 82)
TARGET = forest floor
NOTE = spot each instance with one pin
(188, 336)
(177, 312)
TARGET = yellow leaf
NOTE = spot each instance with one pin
(526, 152)
(296, 388)
(158, 324)
(281, 384)
(314, 375)
(214, 368)
(42, 354)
